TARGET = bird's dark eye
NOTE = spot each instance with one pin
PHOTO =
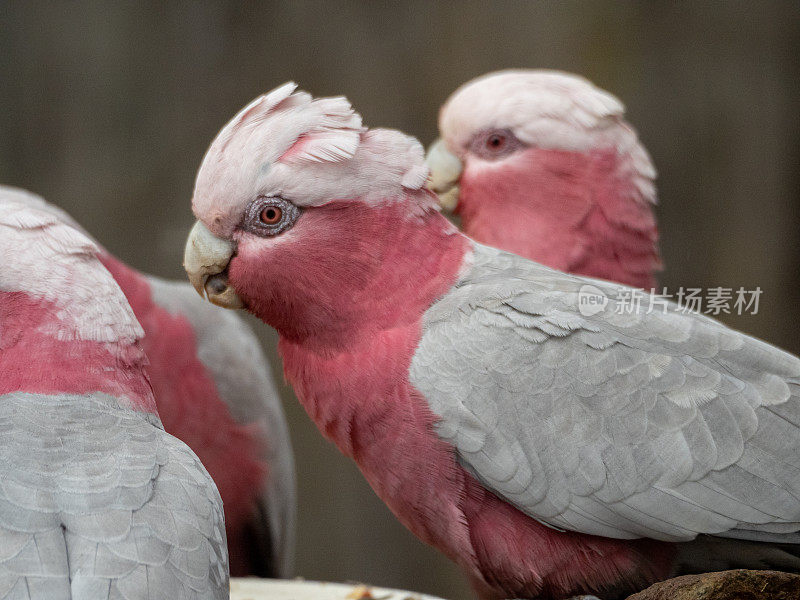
(495, 141)
(494, 144)
(270, 215)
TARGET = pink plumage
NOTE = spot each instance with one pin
(73, 366)
(362, 337)
(70, 332)
(572, 187)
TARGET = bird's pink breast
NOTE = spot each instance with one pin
(355, 282)
(576, 212)
(362, 401)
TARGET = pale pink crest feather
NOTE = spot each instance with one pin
(310, 151)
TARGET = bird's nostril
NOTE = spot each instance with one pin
(216, 284)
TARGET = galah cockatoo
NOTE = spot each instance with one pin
(214, 391)
(97, 501)
(543, 164)
(547, 448)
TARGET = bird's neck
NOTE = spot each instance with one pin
(370, 270)
(356, 370)
(43, 350)
(354, 379)
(580, 212)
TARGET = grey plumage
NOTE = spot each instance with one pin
(622, 425)
(97, 501)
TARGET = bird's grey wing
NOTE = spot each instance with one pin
(234, 358)
(622, 425)
(98, 502)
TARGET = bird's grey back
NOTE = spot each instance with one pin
(622, 425)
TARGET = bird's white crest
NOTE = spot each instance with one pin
(546, 109)
(46, 256)
(328, 129)
(311, 151)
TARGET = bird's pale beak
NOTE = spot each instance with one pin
(206, 261)
(445, 169)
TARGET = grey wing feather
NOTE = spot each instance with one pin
(233, 355)
(98, 502)
(643, 424)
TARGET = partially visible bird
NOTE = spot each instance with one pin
(543, 164)
(548, 449)
(214, 391)
(97, 501)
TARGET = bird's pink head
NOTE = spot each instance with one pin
(543, 164)
(303, 214)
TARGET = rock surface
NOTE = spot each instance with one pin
(740, 584)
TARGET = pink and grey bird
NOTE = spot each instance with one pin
(548, 452)
(543, 164)
(97, 501)
(214, 391)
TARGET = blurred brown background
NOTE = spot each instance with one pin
(107, 108)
